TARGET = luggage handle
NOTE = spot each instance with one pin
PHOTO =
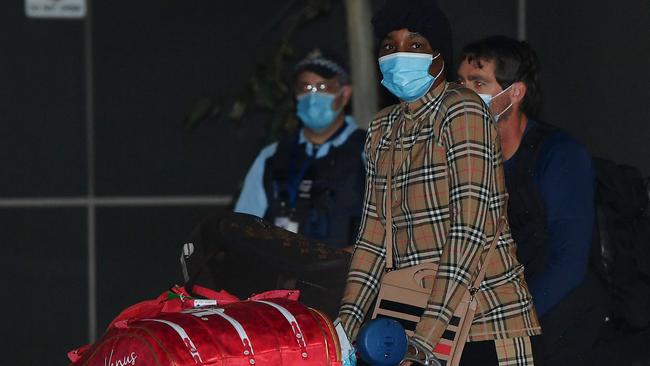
(190, 281)
(189, 249)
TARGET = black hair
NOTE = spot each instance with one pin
(421, 16)
(513, 61)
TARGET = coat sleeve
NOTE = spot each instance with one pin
(467, 135)
(368, 260)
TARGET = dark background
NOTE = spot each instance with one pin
(152, 61)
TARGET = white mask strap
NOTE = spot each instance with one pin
(503, 91)
(497, 116)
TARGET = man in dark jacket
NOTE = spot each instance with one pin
(550, 179)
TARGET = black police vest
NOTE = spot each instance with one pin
(526, 211)
(330, 194)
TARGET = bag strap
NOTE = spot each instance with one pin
(388, 206)
(388, 209)
(493, 246)
(190, 284)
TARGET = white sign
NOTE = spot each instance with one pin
(55, 8)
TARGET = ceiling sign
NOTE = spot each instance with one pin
(55, 8)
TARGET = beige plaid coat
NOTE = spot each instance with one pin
(449, 192)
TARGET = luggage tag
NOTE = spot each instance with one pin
(286, 223)
(297, 187)
(304, 192)
(304, 188)
(199, 303)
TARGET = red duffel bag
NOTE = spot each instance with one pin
(175, 329)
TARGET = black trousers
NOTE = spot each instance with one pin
(572, 327)
(484, 353)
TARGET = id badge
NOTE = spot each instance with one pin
(286, 223)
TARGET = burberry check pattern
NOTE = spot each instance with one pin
(514, 351)
(448, 194)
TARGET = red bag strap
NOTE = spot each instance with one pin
(222, 296)
(277, 294)
(76, 354)
(172, 301)
(175, 300)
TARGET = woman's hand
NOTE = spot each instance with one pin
(348, 351)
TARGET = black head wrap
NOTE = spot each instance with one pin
(327, 65)
(421, 16)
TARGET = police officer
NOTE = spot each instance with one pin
(311, 182)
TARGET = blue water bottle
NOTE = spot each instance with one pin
(382, 342)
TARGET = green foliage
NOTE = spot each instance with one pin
(266, 91)
(204, 109)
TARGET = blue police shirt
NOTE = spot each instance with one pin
(564, 175)
(252, 199)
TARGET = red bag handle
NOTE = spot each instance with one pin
(175, 300)
(172, 301)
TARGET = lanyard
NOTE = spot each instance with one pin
(295, 175)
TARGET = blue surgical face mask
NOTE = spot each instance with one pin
(406, 74)
(487, 98)
(315, 110)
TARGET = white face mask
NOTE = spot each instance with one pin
(487, 98)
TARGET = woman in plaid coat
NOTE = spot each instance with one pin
(448, 195)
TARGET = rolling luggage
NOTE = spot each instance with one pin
(244, 254)
(271, 328)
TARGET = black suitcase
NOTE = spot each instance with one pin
(244, 254)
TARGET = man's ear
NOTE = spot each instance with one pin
(346, 94)
(517, 92)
